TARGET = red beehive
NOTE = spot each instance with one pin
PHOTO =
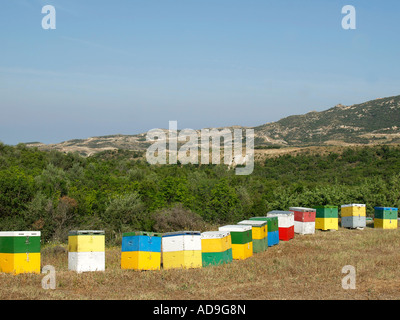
(303, 214)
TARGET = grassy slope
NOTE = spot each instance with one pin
(306, 267)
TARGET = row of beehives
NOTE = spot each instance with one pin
(20, 251)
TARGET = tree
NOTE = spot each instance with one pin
(125, 212)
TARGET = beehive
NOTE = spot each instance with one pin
(273, 229)
(86, 250)
(242, 244)
(304, 220)
(353, 216)
(216, 247)
(326, 217)
(141, 251)
(20, 252)
(385, 218)
(259, 234)
(285, 223)
(181, 249)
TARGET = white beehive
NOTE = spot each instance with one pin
(86, 250)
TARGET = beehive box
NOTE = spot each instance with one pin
(327, 217)
(141, 250)
(242, 244)
(385, 218)
(216, 247)
(181, 249)
(353, 216)
(304, 220)
(273, 229)
(86, 250)
(285, 223)
(20, 252)
(259, 234)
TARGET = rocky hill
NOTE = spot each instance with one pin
(373, 122)
(376, 121)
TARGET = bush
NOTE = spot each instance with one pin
(124, 213)
(177, 218)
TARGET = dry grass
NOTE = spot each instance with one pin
(306, 267)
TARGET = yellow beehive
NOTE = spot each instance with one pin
(181, 249)
(216, 244)
(86, 243)
(242, 251)
(182, 259)
(327, 223)
(20, 252)
(17, 263)
(353, 210)
(140, 260)
(86, 250)
(141, 250)
(385, 223)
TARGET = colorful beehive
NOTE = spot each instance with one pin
(273, 229)
(86, 250)
(285, 223)
(216, 247)
(353, 216)
(141, 251)
(304, 220)
(259, 234)
(386, 218)
(242, 244)
(20, 252)
(181, 249)
(327, 217)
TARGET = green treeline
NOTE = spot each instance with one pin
(118, 191)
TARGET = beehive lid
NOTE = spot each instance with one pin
(327, 206)
(385, 208)
(278, 212)
(352, 205)
(181, 233)
(20, 234)
(235, 228)
(141, 233)
(302, 209)
(85, 232)
(214, 234)
(253, 223)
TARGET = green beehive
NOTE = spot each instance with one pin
(326, 211)
(385, 213)
(272, 222)
(20, 252)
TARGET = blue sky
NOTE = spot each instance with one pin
(128, 66)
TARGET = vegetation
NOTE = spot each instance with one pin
(118, 191)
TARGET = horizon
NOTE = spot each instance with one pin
(126, 67)
(197, 129)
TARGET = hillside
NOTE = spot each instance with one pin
(373, 122)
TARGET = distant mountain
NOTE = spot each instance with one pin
(373, 122)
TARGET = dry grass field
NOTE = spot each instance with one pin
(306, 267)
